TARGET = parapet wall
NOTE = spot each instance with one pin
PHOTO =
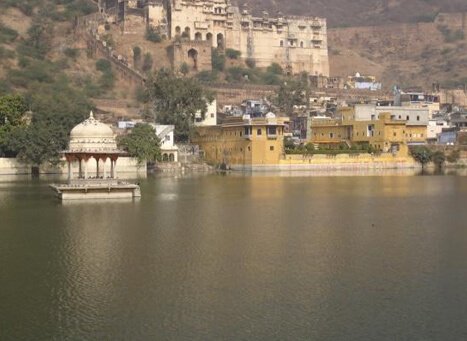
(126, 168)
(360, 162)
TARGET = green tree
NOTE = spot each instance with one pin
(232, 54)
(136, 56)
(177, 100)
(218, 60)
(184, 69)
(275, 68)
(454, 156)
(153, 35)
(291, 93)
(141, 143)
(422, 155)
(107, 79)
(39, 41)
(439, 158)
(56, 108)
(12, 111)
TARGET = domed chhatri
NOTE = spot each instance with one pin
(92, 135)
(93, 142)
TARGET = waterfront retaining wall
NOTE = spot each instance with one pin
(126, 168)
(335, 162)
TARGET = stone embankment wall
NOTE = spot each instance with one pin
(126, 168)
(355, 162)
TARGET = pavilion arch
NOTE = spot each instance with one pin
(198, 36)
(165, 157)
(171, 157)
(193, 55)
(209, 36)
(178, 30)
(220, 41)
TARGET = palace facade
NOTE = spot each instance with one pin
(298, 44)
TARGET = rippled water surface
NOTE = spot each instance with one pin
(238, 258)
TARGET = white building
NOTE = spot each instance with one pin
(210, 118)
(169, 149)
(413, 116)
(435, 127)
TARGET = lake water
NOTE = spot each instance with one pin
(238, 258)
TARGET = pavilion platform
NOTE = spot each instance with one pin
(102, 190)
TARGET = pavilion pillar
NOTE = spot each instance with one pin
(80, 175)
(115, 169)
(97, 168)
(69, 170)
(112, 169)
(85, 168)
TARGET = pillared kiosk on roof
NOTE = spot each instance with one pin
(92, 140)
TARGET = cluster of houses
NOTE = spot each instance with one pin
(251, 134)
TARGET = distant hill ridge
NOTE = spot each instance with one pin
(344, 13)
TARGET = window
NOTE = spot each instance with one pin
(418, 118)
(259, 132)
(407, 118)
(331, 135)
(249, 148)
(212, 115)
(271, 148)
(272, 130)
(282, 43)
(394, 134)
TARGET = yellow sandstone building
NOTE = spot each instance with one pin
(243, 143)
(384, 132)
(258, 143)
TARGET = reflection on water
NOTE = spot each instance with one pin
(238, 257)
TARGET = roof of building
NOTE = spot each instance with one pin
(92, 136)
(91, 128)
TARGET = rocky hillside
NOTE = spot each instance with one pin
(404, 54)
(344, 13)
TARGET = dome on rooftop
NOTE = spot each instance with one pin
(92, 135)
(91, 128)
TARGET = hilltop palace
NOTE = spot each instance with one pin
(298, 44)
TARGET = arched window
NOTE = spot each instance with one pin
(209, 36)
(193, 55)
(198, 36)
(178, 30)
(187, 33)
(220, 41)
(171, 157)
(301, 44)
(282, 43)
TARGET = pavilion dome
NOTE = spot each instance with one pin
(92, 135)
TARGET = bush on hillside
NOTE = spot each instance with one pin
(7, 35)
(153, 35)
(218, 60)
(232, 54)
